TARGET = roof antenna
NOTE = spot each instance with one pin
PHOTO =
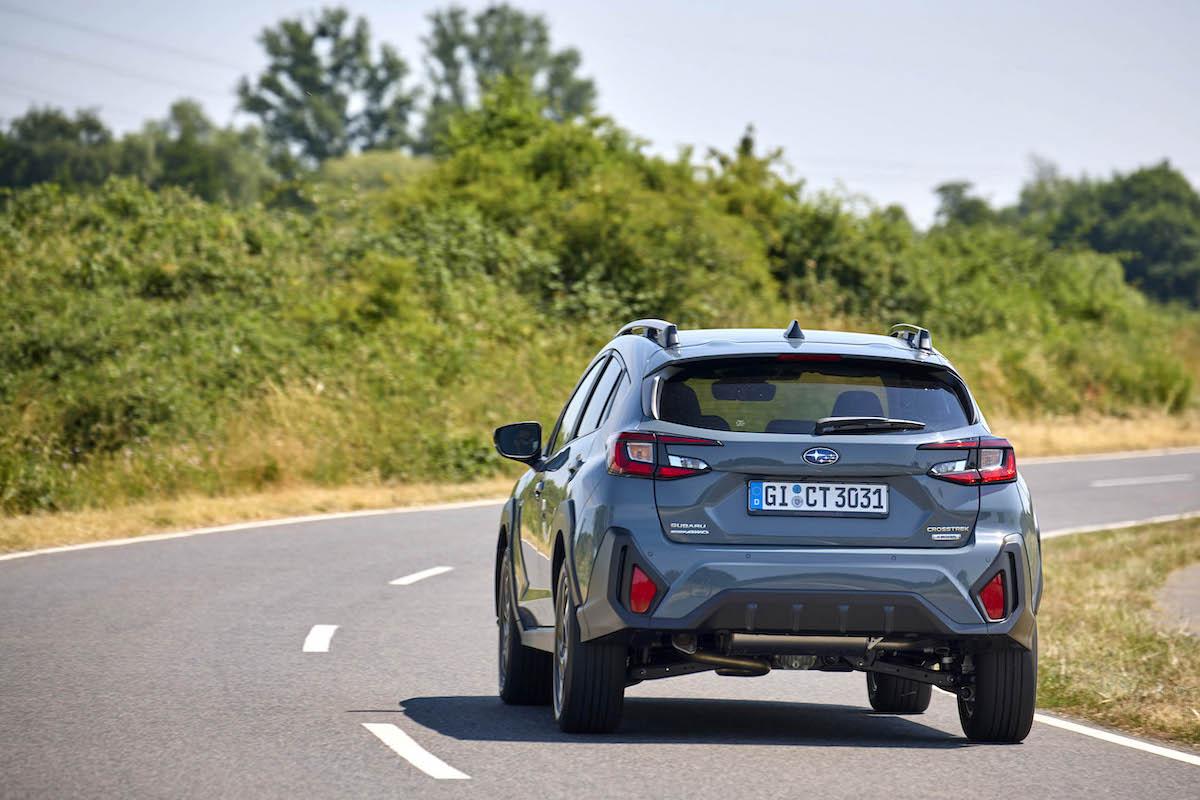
(793, 331)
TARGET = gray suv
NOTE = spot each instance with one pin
(749, 500)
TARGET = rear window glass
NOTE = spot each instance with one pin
(772, 396)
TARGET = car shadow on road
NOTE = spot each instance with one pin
(684, 721)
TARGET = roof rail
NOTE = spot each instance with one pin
(918, 338)
(659, 331)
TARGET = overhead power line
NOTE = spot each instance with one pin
(125, 73)
(134, 41)
(37, 94)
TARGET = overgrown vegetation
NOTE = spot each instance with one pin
(156, 344)
(1104, 653)
(236, 312)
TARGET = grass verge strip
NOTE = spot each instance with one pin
(1106, 654)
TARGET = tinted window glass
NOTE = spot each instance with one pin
(570, 415)
(770, 396)
(595, 407)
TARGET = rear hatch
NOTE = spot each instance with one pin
(769, 476)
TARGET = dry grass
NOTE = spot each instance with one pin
(1052, 436)
(48, 530)
(292, 497)
(1104, 654)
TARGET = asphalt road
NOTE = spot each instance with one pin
(175, 669)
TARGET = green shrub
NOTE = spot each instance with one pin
(155, 344)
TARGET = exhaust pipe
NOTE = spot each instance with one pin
(763, 644)
(726, 665)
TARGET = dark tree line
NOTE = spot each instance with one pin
(1148, 218)
(47, 145)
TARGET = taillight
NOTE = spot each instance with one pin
(983, 460)
(993, 597)
(641, 591)
(997, 461)
(631, 454)
(638, 454)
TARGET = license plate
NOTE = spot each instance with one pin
(780, 497)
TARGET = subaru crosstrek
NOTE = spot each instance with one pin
(749, 500)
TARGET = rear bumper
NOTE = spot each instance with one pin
(845, 591)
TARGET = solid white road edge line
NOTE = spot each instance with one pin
(1144, 480)
(413, 753)
(1108, 736)
(495, 501)
(1115, 456)
(1124, 741)
(419, 576)
(1109, 526)
(318, 639)
(241, 526)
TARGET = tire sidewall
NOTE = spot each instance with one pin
(566, 627)
(505, 649)
(977, 728)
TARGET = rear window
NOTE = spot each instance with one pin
(774, 396)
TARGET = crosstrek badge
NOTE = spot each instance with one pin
(946, 533)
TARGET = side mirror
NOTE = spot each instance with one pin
(520, 441)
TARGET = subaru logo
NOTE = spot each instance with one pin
(821, 456)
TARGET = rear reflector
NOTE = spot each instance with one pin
(984, 460)
(641, 591)
(993, 598)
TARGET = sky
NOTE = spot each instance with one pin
(877, 100)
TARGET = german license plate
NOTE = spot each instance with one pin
(780, 497)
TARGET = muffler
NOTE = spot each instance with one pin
(770, 645)
(686, 644)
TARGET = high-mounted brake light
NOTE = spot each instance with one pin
(993, 597)
(808, 357)
(637, 454)
(641, 591)
(984, 460)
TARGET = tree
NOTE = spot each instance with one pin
(47, 145)
(958, 206)
(214, 163)
(323, 94)
(186, 149)
(465, 57)
(1149, 218)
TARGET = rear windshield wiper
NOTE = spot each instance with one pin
(864, 425)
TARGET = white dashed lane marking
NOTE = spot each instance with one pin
(413, 753)
(318, 638)
(1142, 480)
(420, 576)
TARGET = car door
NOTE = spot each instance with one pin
(538, 502)
(575, 448)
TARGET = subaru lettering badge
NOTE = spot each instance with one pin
(821, 456)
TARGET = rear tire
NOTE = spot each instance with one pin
(1005, 696)
(524, 673)
(589, 677)
(897, 695)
